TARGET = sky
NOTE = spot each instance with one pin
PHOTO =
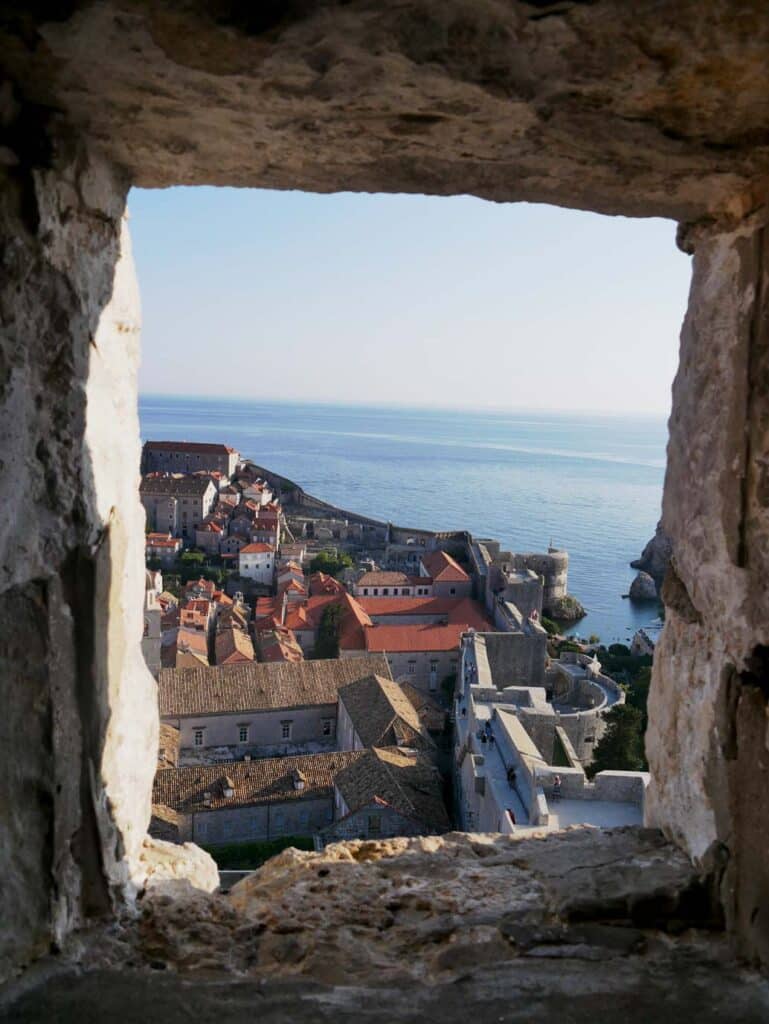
(405, 300)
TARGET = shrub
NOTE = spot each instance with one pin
(249, 856)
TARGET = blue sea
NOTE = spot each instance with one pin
(590, 484)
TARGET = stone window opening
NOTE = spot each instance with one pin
(66, 223)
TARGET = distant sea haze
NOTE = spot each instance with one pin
(592, 485)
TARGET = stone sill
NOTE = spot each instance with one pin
(567, 925)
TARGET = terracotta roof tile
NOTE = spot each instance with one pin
(233, 646)
(443, 568)
(195, 486)
(382, 715)
(414, 638)
(256, 686)
(322, 583)
(262, 781)
(405, 780)
(454, 609)
(381, 578)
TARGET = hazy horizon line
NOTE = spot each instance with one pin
(394, 405)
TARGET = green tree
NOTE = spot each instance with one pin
(549, 625)
(192, 558)
(638, 693)
(621, 746)
(331, 563)
(327, 645)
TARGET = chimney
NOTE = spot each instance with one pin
(299, 779)
(228, 787)
(207, 798)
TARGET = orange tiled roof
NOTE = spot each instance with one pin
(162, 540)
(232, 646)
(256, 549)
(443, 568)
(322, 583)
(454, 609)
(414, 638)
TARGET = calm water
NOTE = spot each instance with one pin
(592, 485)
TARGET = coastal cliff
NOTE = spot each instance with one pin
(655, 557)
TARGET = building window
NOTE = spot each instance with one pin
(242, 734)
(197, 737)
(327, 727)
(412, 668)
(385, 591)
(453, 590)
(376, 591)
(374, 825)
(285, 730)
(146, 628)
(365, 591)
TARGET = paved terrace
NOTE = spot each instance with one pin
(578, 673)
(562, 812)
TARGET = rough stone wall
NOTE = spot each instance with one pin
(707, 740)
(607, 106)
(611, 106)
(60, 225)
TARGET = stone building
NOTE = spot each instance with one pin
(163, 547)
(639, 109)
(250, 800)
(233, 646)
(152, 630)
(422, 655)
(184, 647)
(387, 792)
(375, 712)
(446, 575)
(177, 504)
(330, 796)
(503, 782)
(258, 709)
(257, 562)
(571, 692)
(188, 457)
(389, 583)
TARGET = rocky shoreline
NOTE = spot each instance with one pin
(652, 566)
